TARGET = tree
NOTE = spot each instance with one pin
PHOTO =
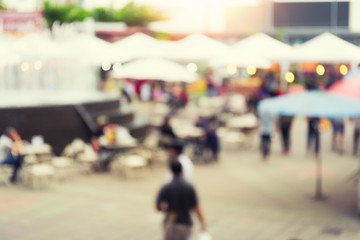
(134, 15)
(130, 14)
(2, 6)
(104, 15)
(64, 13)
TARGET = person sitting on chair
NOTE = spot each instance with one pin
(211, 138)
(104, 156)
(10, 151)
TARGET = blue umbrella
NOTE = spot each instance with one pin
(311, 104)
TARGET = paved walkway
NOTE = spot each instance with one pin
(243, 199)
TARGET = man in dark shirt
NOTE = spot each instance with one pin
(177, 199)
(167, 133)
(313, 136)
(285, 128)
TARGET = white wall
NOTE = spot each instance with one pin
(354, 20)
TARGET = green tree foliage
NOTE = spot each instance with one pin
(134, 15)
(64, 13)
(130, 14)
(2, 6)
(103, 15)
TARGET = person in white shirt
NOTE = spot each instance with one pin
(10, 151)
(176, 154)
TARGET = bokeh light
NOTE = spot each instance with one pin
(192, 67)
(289, 77)
(231, 69)
(320, 70)
(25, 66)
(117, 67)
(37, 65)
(106, 66)
(251, 70)
(343, 69)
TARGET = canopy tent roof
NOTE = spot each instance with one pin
(156, 69)
(138, 45)
(239, 60)
(311, 104)
(326, 48)
(195, 47)
(202, 41)
(90, 49)
(265, 46)
(37, 46)
(7, 56)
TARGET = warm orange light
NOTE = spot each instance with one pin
(38, 65)
(325, 124)
(289, 77)
(251, 70)
(25, 66)
(231, 69)
(320, 70)
(343, 69)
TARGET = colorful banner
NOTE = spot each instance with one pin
(21, 22)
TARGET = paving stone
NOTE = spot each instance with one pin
(242, 197)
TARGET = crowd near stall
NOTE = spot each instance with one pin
(101, 93)
(199, 92)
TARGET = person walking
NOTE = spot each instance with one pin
(10, 151)
(167, 134)
(356, 136)
(285, 127)
(177, 200)
(266, 129)
(176, 153)
(313, 136)
(338, 135)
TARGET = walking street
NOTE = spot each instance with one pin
(243, 198)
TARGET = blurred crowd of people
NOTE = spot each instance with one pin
(209, 141)
(283, 124)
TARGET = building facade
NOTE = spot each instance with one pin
(296, 19)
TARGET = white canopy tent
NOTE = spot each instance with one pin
(138, 45)
(327, 48)
(39, 67)
(50, 65)
(263, 45)
(91, 50)
(156, 69)
(8, 61)
(240, 60)
(37, 47)
(8, 56)
(195, 47)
